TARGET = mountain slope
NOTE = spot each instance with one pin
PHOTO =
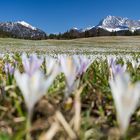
(22, 30)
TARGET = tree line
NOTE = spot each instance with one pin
(73, 34)
(86, 34)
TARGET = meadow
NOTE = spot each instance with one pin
(76, 46)
(83, 89)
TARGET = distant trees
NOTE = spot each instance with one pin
(67, 35)
(136, 32)
(73, 34)
(113, 33)
(4, 34)
(52, 36)
(87, 34)
(128, 33)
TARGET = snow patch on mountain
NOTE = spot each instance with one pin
(75, 28)
(87, 29)
(23, 23)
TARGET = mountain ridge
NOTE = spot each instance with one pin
(115, 23)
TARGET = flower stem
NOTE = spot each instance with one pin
(28, 126)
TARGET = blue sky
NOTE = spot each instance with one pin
(55, 16)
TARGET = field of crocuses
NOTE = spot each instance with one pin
(104, 45)
(69, 97)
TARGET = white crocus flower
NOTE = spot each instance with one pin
(69, 68)
(135, 64)
(126, 97)
(33, 87)
(73, 68)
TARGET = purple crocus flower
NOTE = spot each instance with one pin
(115, 68)
(118, 69)
(31, 64)
(111, 61)
(82, 63)
(9, 69)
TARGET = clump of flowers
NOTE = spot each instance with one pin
(73, 68)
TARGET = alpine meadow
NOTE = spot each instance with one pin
(67, 74)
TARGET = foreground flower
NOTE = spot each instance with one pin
(126, 97)
(32, 87)
(32, 63)
(33, 84)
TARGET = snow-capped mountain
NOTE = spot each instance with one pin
(109, 26)
(21, 29)
(114, 23)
